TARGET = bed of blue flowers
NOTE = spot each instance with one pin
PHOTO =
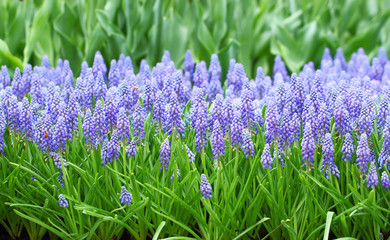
(192, 153)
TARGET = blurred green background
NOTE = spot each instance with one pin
(251, 31)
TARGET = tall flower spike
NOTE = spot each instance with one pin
(247, 108)
(199, 118)
(236, 129)
(328, 158)
(190, 154)
(131, 150)
(111, 108)
(200, 74)
(173, 122)
(189, 64)
(165, 154)
(72, 114)
(2, 130)
(149, 94)
(348, 148)
(60, 135)
(247, 144)
(372, 177)
(138, 121)
(205, 187)
(177, 174)
(25, 119)
(362, 153)
(89, 128)
(280, 67)
(58, 160)
(13, 113)
(159, 114)
(308, 146)
(4, 76)
(238, 77)
(17, 84)
(123, 124)
(340, 115)
(385, 180)
(99, 120)
(62, 201)
(383, 158)
(266, 158)
(114, 77)
(215, 86)
(126, 197)
(100, 87)
(272, 122)
(215, 66)
(216, 113)
(217, 141)
(46, 136)
(111, 151)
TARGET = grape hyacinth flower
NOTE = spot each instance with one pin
(362, 153)
(126, 197)
(72, 113)
(216, 113)
(114, 77)
(111, 150)
(199, 119)
(190, 154)
(62, 201)
(100, 87)
(308, 146)
(159, 115)
(348, 148)
(17, 84)
(58, 160)
(328, 158)
(236, 129)
(99, 121)
(111, 108)
(89, 128)
(177, 174)
(247, 108)
(205, 187)
(138, 121)
(217, 141)
(2, 130)
(385, 180)
(272, 122)
(173, 122)
(165, 154)
(13, 113)
(46, 135)
(372, 177)
(189, 64)
(383, 158)
(266, 158)
(60, 135)
(25, 119)
(247, 144)
(123, 124)
(131, 149)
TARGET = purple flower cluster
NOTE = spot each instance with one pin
(205, 187)
(165, 154)
(110, 105)
(62, 201)
(126, 197)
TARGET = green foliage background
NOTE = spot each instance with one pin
(251, 31)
